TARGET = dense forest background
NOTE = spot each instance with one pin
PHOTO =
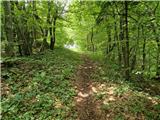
(126, 33)
(124, 36)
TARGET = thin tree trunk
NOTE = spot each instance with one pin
(87, 42)
(34, 29)
(144, 47)
(127, 42)
(122, 42)
(117, 41)
(158, 52)
(92, 40)
(53, 36)
(155, 31)
(45, 44)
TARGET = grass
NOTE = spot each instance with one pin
(39, 86)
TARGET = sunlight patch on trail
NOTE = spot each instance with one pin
(83, 94)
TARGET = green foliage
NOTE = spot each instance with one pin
(99, 96)
(106, 107)
(45, 92)
(97, 56)
(157, 107)
(119, 117)
(122, 89)
(121, 45)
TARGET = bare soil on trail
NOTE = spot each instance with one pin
(86, 105)
(96, 100)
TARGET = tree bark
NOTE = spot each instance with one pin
(155, 31)
(92, 40)
(53, 36)
(121, 36)
(8, 28)
(144, 53)
(127, 43)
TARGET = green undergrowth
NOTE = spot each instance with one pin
(108, 71)
(39, 86)
(126, 100)
(96, 56)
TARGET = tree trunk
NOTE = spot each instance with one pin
(121, 36)
(121, 44)
(158, 52)
(34, 35)
(155, 31)
(53, 36)
(8, 28)
(87, 42)
(144, 47)
(127, 43)
(116, 39)
(25, 42)
(45, 44)
(92, 40)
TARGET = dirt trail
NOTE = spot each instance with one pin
(86, 105)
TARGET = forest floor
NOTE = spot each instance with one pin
(86, 104)
(65, 85)
(98, 100)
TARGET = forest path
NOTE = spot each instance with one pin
(86, 105)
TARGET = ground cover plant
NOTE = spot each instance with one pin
(80, 60)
